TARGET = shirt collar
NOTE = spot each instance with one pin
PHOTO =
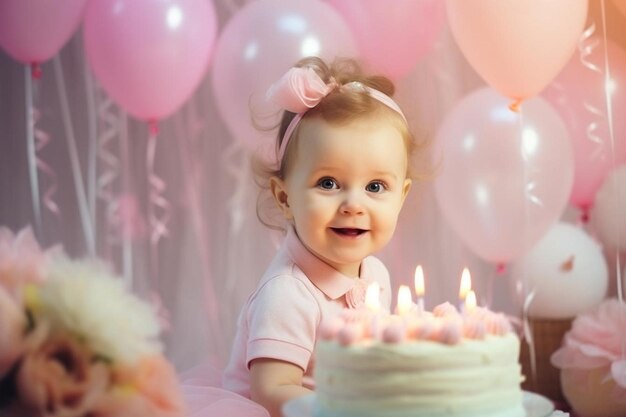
(331, 282)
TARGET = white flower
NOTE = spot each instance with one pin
(84, 299)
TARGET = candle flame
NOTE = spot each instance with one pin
(470, 301)
(372, 297)
(419, 281)
(466, 284)
(404, 300)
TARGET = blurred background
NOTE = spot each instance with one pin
(126, 134)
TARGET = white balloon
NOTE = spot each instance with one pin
(609, 210)
(567, 272)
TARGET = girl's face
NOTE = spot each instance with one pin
(345, 188)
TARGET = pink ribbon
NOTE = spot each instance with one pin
(299, 89)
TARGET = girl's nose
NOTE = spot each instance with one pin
(352, 204)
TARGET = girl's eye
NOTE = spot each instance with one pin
(327, 183)
(375, 187)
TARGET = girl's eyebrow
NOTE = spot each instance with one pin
(373, 173)
(382, 173)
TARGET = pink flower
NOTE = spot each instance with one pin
(58, 377)
(355, 297)
(12, 328)
(21, 261)
(149, 389)
(596, 340)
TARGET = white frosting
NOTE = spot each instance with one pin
(370, 378)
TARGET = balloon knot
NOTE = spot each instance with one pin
(153, 125)
(515, 105)
(584, 215)
(35, 69)
(500, 269)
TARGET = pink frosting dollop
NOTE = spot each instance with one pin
(394, 333)
(445, 309)
(474, 329)
(451, 332)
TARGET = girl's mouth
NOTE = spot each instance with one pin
(349, 232)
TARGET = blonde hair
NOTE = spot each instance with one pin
(341, 106)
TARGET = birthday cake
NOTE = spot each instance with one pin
(419, 364)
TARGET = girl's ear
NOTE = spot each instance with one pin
(279, 191)
(406, 188)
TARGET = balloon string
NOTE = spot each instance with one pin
(159, 211)
(42, 139)
(529, 337)
(109, 171)
(92, 156)
(74, 160)
(127, 247)
(159, 207)
(30, 148)
(586, 46)
(609, 107)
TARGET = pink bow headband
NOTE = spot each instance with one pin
(301, 89)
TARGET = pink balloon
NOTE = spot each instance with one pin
(149, 55)
(32, 31)
(517, 47)
(258, 45)
(579, 95)
(505, 176)
(393, 36)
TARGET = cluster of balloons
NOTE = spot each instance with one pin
(500, 188)
(507, 176)
(390, 38)
(149, 56)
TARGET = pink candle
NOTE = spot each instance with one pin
(419, 288)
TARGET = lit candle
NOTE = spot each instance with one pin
(470, 301)
(372, 297)
(465, 288)
(405, 301)
(419, 287)
(466, 284)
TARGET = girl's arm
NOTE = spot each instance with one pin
(274, 382)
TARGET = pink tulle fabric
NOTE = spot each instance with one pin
(299, 89)
(204, 397)
(597, 339)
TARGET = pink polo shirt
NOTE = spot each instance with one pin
(281, 317)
